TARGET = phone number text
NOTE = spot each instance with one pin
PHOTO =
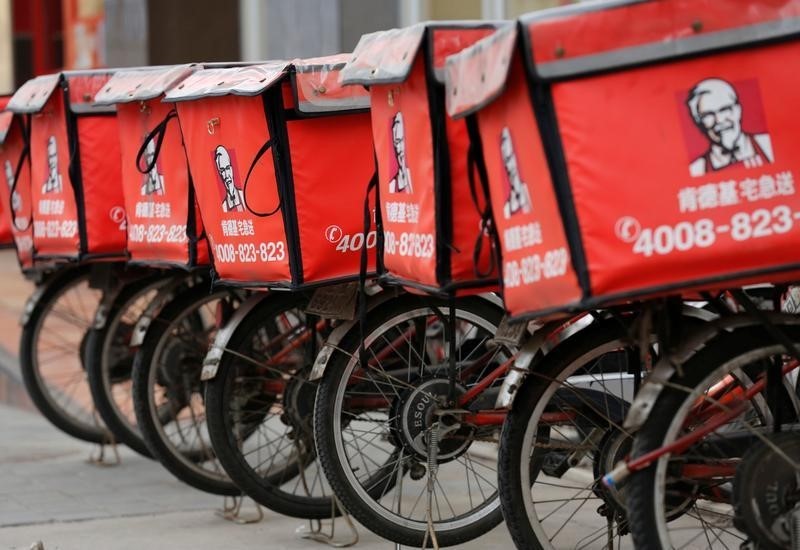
(536, 267)
(156, 233)
(250, 252)
(704, 233)
(416, 245)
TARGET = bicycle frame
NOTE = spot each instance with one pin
(728, 408)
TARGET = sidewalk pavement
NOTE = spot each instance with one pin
(50, 493)
(14, 291)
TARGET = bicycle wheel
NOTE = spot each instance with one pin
(563, 433)
(259, 408)
(167, 390)
(109, 361)
(715, 414)
(398, 455)
(51, 354)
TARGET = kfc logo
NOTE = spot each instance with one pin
(733, 127)
(153, 183)
(399, 173)
(518, 199)
(233, 200)
(53, 182)
(16, 200)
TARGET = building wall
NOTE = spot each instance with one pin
(181, 31)
(365, 16)
(301, 28)
(38, 39)
(454, 9)
(515, 8)
(126, 29)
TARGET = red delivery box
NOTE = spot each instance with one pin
(15, 199)
(164, 225)
(6, 235)
(78, 208)
(662, 140)
(281, 157)
(431, 210)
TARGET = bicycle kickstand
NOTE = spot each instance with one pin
(99, 459)
(233, 511)
(314, 531)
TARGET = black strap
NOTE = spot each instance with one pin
(25, 153)
(264, 148)
(452, 365)
(362, 273)
(158, 133)
(472, 165)
(311, 330)
(475, 163)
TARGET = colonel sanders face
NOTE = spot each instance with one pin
(716, 110)
(52, 157)
(400, 177)
(518, 199)
(509, 158)
(16, 201)
(223, 161)
(150, 153)
(9, 174)
(399, 139)
(153, 181)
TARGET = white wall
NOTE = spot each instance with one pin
(6, 48)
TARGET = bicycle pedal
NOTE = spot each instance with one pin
(555, 464)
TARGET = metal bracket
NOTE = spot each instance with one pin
(510, 334)
(334, 302)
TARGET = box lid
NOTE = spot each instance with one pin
(612, 34)
(82, 87)
(386, 57)
(316, 83)
(141, 84)
(477, 75)
(248, 80)
(32, 96)
(319, 89)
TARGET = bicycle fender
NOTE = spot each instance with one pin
(657, 380)
(223, 336)
(332, 342)
(533, 346)
(31, 303)
(539, 343)
(33, 300)
(164, 296)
